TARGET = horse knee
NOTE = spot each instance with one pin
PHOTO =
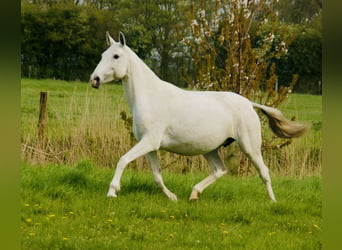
(122, 163)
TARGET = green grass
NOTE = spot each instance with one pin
(64, 207)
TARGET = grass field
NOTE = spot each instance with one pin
(64, 207)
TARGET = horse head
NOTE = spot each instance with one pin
(113, 64)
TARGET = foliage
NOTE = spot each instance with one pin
(63, 39)
(302, 11)
(224, 56)
(305, 59)
(64, 207)
(55, 42)
(151, 25)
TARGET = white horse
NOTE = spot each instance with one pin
(166, 117)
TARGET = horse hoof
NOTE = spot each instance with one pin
(193, 200)
(173, 198)
(111, 195)
(194, 195)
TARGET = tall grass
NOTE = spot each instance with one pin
(84, 123)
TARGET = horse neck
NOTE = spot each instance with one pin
(140, 82)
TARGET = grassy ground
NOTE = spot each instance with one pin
(64, 207)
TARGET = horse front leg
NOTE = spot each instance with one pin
(140, 149)
(153, 161)
(218, 170)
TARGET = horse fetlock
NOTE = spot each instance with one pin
(113, 190)
(111, 194)
(172, 196)
(194, 194)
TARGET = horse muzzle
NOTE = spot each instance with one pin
(95, 82)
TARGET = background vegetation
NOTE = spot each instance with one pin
(63, 39)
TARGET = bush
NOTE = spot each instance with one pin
(61, 42)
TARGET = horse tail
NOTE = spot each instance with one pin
(280, 125)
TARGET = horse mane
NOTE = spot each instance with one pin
(137, 61)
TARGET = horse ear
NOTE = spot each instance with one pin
(122, 39)
(109, 39)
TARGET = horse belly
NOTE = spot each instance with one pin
(186, 148)
(193, 140)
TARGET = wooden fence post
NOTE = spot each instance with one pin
(43, 119)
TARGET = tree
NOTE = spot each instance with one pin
(304, 56)
(62, 41)
(228, 33)
(224, 55)
(299, 11)
(151, 28)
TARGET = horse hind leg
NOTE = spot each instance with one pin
(218, 170)
(264, 174)
(252, 148)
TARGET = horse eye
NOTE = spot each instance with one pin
(116, 56)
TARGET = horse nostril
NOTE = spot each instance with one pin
(96, 82)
